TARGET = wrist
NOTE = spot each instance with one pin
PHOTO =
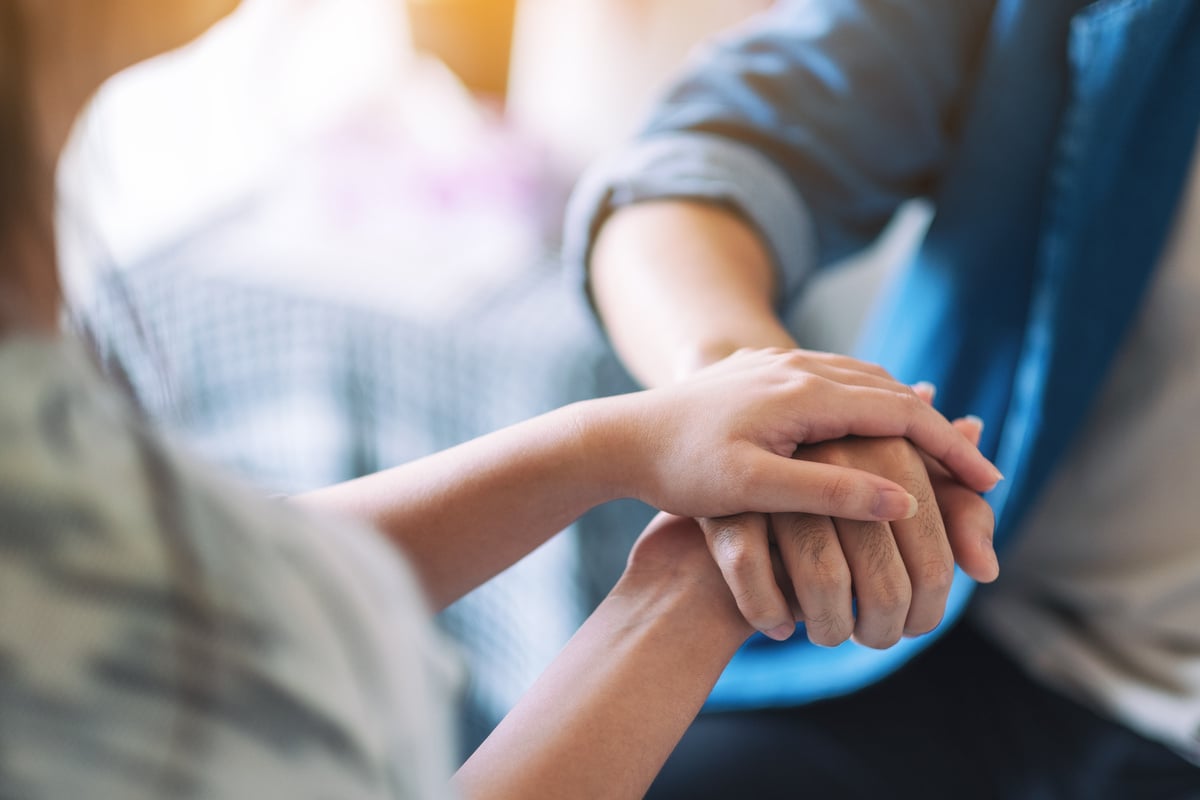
(697, 355)
(691, 604)
(611, 442)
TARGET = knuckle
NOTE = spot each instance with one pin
(805, 533)
(935, 575)
(923, 625)
(755, 607)
(877, 631)
(871, 368)
(916, 480)
(963, 505)
(878, 370)
(985, 515)
(891, 597)
(726, 541)
(796, 359)
(828, 628)
(932, 528)
(901, 451)
(828, 574)
(879, 551)
(814, 554)
(739, 563)
(803, 383)
(882, 639)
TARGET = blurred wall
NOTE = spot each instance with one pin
(235, 101)
(473, 38)
(584, 72)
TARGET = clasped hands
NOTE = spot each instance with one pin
(864, 497)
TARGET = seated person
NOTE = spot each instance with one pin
(1055, 294)
(164, 633)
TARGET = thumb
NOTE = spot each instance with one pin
(788, 484)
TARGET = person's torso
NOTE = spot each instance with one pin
(1051, 216)
(1100, 593)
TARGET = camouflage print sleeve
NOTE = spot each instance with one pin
(164, 633)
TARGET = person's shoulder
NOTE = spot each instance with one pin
(144, 597)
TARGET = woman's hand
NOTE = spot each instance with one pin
(721, 442)
(671, 556)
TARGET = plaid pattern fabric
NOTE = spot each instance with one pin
(293, 390)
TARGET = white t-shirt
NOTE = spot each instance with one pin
(1100, 595)
(164, 633)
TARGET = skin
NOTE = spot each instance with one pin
(681, 284)
(605, 716)
(600, 722)
(712, 445)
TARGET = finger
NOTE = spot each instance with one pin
(785, 583)
(926, 391)
(817, 569)
(881, 585)
(774, 483)
(965, 452)
(971, 427)
(970, 525)
(927, 556)
(876, 412)
(969, 520)
(740, 546)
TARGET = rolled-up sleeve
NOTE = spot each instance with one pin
(702, 167)
(815, 122)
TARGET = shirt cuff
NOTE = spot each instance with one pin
(695, 166)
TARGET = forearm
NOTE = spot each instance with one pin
(601, 721)
(465, 514)
(681, 284)
(716, 444)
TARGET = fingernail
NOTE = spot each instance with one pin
(976, 420)
(926, 388)
(894, 504)
(781, 633)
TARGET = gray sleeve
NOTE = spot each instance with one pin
(699, 167)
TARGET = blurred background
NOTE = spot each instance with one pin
(322, 241)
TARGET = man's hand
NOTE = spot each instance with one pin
(899, 572)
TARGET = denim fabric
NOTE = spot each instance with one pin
(1053, 138)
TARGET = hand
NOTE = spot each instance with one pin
(900, 573)
(671, 554)
(721, 442)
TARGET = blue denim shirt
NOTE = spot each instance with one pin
(1053, 138)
